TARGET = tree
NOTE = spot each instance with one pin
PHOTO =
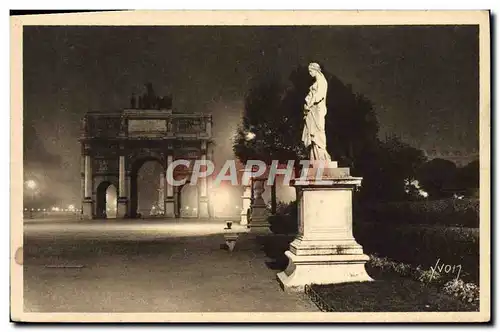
(266, 132)
(468, 178)
(388, 169)
(438, 177)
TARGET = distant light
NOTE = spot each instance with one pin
(31, 184)
(249, 136)
(38, 209)
(25, 209)
(44, 210)
(153, 207)
(71, 207)
(32, 209)
(237, 207)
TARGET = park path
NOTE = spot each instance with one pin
(147, 266)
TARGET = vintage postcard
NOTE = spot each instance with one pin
(247, 166)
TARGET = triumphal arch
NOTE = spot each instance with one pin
(115, 145)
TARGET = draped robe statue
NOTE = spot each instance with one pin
(313, 135)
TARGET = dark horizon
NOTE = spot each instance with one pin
(423, 80)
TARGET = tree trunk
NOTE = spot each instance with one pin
(273, 198)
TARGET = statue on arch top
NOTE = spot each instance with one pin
(313, 135)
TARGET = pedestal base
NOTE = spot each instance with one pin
(121, 208)
(259, 220)
(203, 208)
(260, 228)
(87, 211)
(243, 219)
(322, 269)
(169, 209)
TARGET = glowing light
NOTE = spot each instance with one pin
(249, 136)
(44, 210)
(416, 185)
(71, 207)
(31, 184)
(25, 209)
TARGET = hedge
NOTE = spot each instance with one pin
(450, 212)
(423, 245)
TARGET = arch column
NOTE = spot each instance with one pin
(203, 188)
(123, 199)
(169, 190)
(128, 183)
(87, 204)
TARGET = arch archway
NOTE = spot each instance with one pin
(145, 184)
(106, 200)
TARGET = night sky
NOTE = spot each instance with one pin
(422, 80)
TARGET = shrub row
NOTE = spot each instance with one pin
(450, 212)
(423, 245)
(417, 244)
(414, 244)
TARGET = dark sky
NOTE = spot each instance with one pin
(422, 80)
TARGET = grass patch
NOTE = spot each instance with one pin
(392, 295)
(393, 290)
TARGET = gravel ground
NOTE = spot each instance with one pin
(147, 266)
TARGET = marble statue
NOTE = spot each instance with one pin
(313, 136)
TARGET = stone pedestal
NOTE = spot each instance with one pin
(169, 208)
(324, 251)
(259, 219)
(121, 207)
(246, 201)
(87, 208)
(203, 208)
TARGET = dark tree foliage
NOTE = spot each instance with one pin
(468, 178)
(438, 177)
(441, 178)
(388, 167)
(274, 113)
(276, 128)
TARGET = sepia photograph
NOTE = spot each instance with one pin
(250, 166)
